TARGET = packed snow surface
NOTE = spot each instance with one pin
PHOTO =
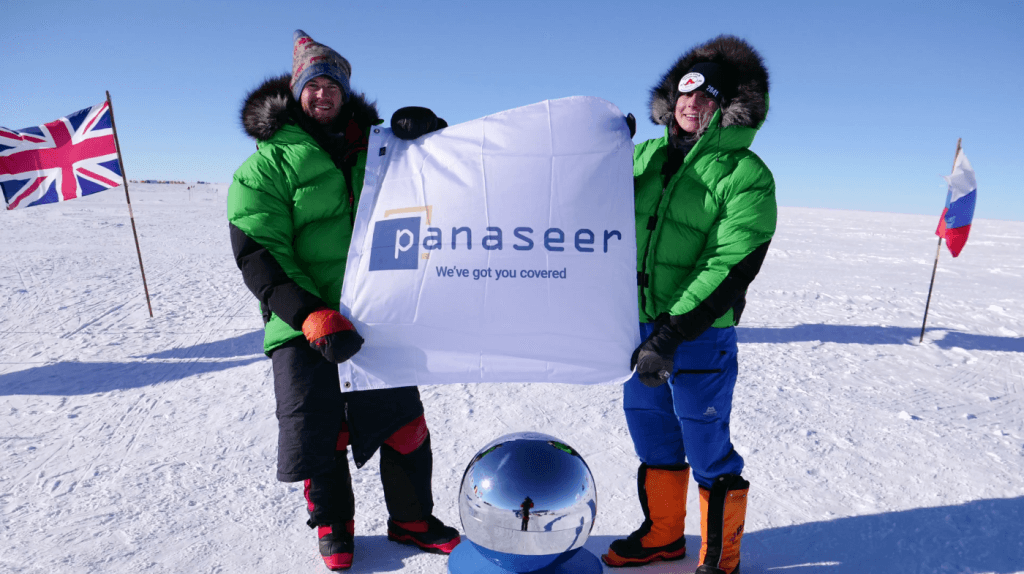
(133, 444)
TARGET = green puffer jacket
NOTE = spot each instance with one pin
(703, 230)
(716, 210)
(294, 200)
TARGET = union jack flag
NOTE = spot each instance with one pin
(68, 158)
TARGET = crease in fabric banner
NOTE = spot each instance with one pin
(499, 250)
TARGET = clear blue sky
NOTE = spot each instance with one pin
(867, 98)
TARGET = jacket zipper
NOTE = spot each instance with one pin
(644, 279)
(653, 222)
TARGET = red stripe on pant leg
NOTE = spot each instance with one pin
(342, 437)
(409, 437)
(305, 492)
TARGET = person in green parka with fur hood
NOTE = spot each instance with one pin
(705, 214)
(291, 208)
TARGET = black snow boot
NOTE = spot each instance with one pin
(336, 543)
(429, 535)
(331, 506)
(410, 501)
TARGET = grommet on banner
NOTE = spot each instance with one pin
(527, 504)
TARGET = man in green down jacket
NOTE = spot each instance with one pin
(705, 213)
(291, 208)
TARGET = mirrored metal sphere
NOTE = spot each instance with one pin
(528, 496)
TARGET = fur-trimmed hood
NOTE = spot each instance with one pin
(270, 106)
(748, 105)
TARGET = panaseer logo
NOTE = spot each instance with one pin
(396, 241)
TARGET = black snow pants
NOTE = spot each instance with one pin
(311, 410)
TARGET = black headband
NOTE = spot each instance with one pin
(707, 77)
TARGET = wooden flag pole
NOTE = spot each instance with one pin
(131, 215)
(936, 266)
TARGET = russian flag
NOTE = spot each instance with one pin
(955, 223)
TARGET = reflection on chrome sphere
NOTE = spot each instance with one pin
(528, 495)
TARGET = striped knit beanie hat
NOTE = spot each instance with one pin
(311, 59)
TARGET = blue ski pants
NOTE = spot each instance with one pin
(687, 419)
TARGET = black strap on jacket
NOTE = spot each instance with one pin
(266, 279)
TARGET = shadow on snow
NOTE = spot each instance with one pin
(74, 378)
(376, 554)
(241, 346)
(978, 536)
(871, 335)
(77, 378)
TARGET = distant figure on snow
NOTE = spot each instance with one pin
(526, 506)
(291, 207)
(705, 214)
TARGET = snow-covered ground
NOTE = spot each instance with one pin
(134, 444)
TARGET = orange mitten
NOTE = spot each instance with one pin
(329, 332)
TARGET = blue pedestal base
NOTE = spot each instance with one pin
(467, 559)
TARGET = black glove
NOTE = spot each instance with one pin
(412, 122)
(329, 332)
(631, 122)
(654, 358)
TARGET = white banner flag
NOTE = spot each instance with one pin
(497, 250)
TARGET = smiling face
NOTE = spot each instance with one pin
(694, 111)
(321, 99)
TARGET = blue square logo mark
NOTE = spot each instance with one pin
(396, 244)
